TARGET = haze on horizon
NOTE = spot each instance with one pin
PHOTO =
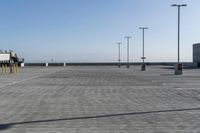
(88, 30)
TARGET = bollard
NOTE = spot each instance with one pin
(47, 64)
(64, 64)
(17, 68)
(6, 69)
(11, 68)
(2, 68)
(14, 68)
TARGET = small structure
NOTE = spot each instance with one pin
(196, 53)
(9, 58)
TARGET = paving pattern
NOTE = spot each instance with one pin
(100, 100)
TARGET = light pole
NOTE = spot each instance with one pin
(178, 66)
(128, 64)
(119, 54)
(143, 67)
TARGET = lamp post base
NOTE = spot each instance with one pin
(178, 69)
(143, 67)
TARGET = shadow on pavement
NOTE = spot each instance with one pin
(7, 126)
(184, 67)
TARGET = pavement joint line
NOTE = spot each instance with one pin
(16, 82)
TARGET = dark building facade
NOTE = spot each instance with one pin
(196, 53)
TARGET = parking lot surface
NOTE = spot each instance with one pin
(100, 99)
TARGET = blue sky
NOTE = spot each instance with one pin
(88, 30)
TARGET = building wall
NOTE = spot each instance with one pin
(196, 53)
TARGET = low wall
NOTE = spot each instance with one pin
(185, 64)
(34, 64)
(115, 64)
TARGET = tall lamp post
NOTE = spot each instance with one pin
(128, 64)
(143, 67)
(179, 66)
(119, 54)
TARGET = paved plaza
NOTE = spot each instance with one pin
(101, 99)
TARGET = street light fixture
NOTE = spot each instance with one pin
(128, 64)
(178, 66)
(119, 54)
(143, 67)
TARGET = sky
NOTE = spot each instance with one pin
(88, 30)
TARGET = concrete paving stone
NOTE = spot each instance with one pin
(99, 99)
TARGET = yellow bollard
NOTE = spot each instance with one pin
(13, 68)
(6, 69)
(2, 67)
(17, 68)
